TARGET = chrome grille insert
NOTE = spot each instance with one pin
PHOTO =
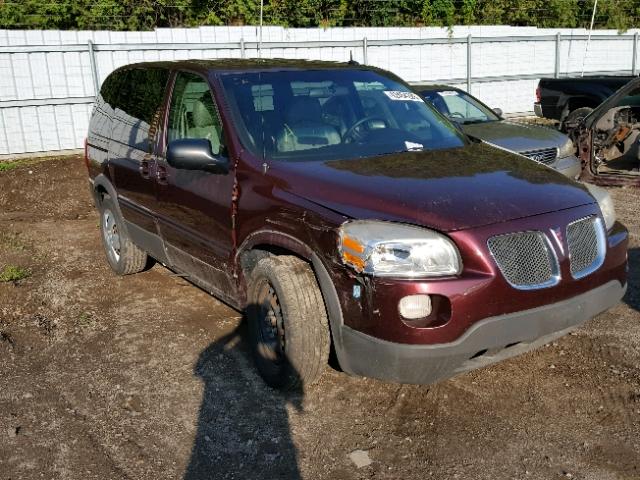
(545, 155)
(526, 259)
(586, 240)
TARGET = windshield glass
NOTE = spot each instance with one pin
(459, 106)
(332, 114)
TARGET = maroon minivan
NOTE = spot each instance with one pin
(337, 209)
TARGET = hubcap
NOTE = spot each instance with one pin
(111, 234)
(270, 325)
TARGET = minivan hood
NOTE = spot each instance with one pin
(445, 190)
(515, 136)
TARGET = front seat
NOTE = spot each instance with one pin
(304, 129)
(204, 126)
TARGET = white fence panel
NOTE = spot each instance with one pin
(47, 77)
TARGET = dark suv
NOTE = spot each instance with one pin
(335, 207)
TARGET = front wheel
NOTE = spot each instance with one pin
(288, 326)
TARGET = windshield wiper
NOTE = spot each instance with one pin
(470, 122)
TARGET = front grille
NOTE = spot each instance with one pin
(586, 241)
(545, 155)
(525, 259)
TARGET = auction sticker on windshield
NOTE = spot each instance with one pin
(402, 96)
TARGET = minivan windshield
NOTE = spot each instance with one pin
(297, 115)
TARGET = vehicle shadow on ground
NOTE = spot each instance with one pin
(243, 425)
(632, 297)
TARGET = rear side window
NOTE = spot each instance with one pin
(135, 95)
(138, 92)
(113, 88)
(146, 92)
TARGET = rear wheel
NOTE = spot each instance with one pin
(123, 255)
(288, 324)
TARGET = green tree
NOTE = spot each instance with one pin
(306, 13)
(615, 14)
(467, 15)
(443, 12)
(150, 14)
(41, 15)
(490, 12)
(382, 13)
(241, 12)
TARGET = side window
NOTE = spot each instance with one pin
(193, 113)
(138, 93)
(136, 96)
(112, 89)
(146, 92)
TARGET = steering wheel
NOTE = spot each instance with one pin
(456, 115)
(353, 135)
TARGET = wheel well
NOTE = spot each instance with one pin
(580, 102)
(250, 258)
(100, 192)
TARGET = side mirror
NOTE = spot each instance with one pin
(195, 154)
(498, 111)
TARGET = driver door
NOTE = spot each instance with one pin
(194, 206)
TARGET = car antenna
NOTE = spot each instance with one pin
(351, 60)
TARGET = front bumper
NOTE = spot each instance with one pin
(488, 341)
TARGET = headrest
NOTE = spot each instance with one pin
(304, 109)
(201, 115)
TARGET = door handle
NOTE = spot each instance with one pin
(161, 174)
(144, 168)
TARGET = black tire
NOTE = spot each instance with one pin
(123, 256)
(575, 117)
(287, 319)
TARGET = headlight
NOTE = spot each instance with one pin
(392, 249)
(605, 202)
(567, 149)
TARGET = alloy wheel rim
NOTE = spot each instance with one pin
(111, 234)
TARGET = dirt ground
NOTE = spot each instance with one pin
(146, 377)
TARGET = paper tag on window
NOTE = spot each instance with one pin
(448, 93)
(402, 96)
(413, 146)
